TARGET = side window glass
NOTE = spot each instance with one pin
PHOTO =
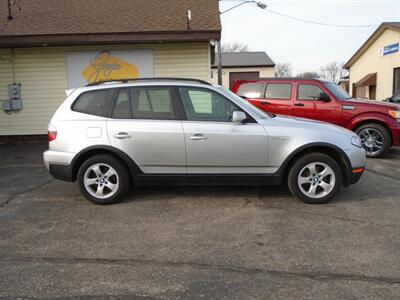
(96, 103)
(308, 92)
(122, 107)
(250, 90)
(278, 91)
(152, 103)
(204, 105)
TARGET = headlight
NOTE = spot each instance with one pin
(395, 114)
(356, 141)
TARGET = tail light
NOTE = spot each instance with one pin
(51, 133)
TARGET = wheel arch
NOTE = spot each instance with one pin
(332, 150)
(86, 153)
(374, 121)
(376, 118)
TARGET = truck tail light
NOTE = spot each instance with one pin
(51, 133)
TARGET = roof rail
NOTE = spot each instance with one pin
(126, 80)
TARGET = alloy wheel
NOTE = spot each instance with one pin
(101, 180)
(316, 180)
(372, 140)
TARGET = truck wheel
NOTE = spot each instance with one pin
(315, 178)
(103, 179)
(375, 139)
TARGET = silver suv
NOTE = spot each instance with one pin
(114, 135)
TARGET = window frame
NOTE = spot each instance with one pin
(313, 84)
(284, 99)
(91, 91)
(176, 114)
(183, 112)
(115, 98)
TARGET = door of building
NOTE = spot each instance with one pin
(396, 80)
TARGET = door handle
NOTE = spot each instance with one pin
(198, 137)
(122, 135)
(264, 102)
(298, 104)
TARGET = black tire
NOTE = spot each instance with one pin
(387, 140)
(321, 160)
(122, 178)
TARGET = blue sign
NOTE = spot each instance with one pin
(393, 48)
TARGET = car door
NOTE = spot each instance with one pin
(145, 125)
(278, 98)
(310, 103)
(213, 143)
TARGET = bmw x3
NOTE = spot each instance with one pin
(112, 136)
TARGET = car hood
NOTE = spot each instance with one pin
(295, 122)
(378, 104)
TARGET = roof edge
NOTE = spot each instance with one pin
(58, 40)
(245, 66)
(373, 37)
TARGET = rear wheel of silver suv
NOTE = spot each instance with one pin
(315, 178)
(103, 179)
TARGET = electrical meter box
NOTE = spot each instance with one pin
(14, 91)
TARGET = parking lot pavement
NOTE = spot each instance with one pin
(196, 242)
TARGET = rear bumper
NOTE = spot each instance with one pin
(59, 164)
(61, 172)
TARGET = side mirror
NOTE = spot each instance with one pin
(238, 117)
(324, 97)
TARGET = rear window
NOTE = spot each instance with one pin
(278, 91)
(96, 103)
(250, 90)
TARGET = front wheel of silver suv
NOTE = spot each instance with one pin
(103, 179)
(315, 178)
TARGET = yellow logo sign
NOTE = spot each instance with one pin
(104, 66)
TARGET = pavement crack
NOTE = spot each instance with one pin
(383, 174)
(327, 216)
(24, 192)
(317, 276)
(88, 297)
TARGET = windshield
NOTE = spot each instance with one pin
(249, 107)
(337, 91)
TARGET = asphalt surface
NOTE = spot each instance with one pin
(196, 242)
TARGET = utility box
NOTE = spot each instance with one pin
(14, 91)
(15, 102)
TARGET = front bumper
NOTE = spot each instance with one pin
(355, 166)
(356, 175)
(395, 136)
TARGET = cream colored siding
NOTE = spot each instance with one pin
(183, 60)
(5, 79)
(264, 72)
(43, 75)
(370, 62)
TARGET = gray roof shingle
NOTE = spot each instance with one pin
(245, 59)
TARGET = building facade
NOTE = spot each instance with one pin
(243, 65)
(375, 67)
(44, 59)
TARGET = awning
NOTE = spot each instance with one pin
(367, 80)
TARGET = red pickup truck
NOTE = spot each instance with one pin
(377, 123)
